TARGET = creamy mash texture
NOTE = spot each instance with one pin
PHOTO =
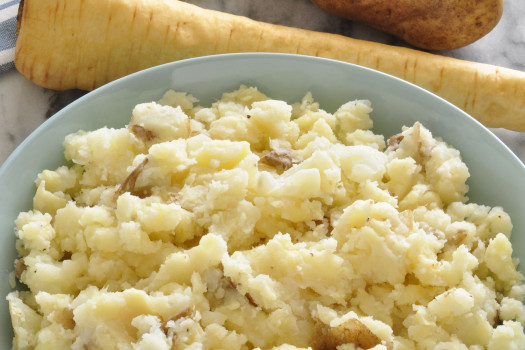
(253, 223)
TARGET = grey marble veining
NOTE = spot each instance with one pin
(24, 106)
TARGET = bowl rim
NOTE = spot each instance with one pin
(227, 56)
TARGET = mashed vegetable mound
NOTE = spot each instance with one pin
(258, 224)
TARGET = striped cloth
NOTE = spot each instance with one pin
(8, 12)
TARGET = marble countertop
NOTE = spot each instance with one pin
(24, 106)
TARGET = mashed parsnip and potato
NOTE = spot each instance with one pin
(257, 224)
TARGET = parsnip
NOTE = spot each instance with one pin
(65, 44)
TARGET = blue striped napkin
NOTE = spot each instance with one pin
(8, 12)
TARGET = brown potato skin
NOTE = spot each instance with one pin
(426, 24)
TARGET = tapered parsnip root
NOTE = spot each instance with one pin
(66, 44)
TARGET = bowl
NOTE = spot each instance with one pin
(497, 175)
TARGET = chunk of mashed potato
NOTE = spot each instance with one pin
(253, 223)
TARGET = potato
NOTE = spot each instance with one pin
(429, 24)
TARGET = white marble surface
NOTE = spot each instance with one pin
(24, 106)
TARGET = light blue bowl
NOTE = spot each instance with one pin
(497, 175)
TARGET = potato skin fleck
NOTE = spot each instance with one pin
(352, 331)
